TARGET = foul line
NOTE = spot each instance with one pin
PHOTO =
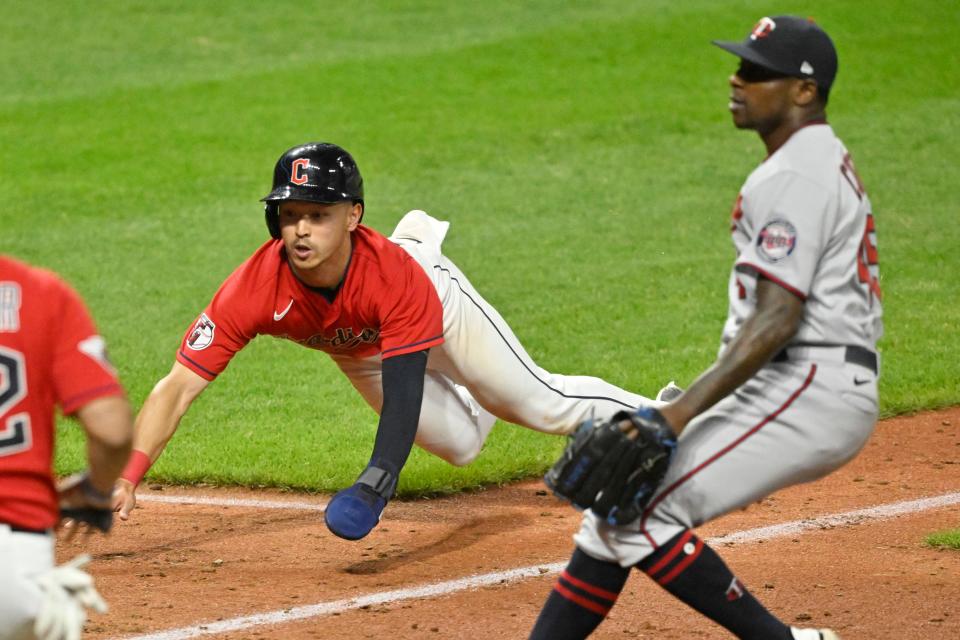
(232, 502)
(283, 616)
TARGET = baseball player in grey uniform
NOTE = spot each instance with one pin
(792, 395)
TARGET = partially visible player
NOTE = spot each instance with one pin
(50, 355)
(403, 323)
(793, 393)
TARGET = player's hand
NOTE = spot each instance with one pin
(354, 512)
(82, 506)
(124, 498)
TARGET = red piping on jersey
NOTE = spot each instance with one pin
(775, 279)
(656, 501)
(589, 588)
(77, 401)
(590, 605)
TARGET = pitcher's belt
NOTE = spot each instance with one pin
(832, 353)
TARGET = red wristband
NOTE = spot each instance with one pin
(137, 467)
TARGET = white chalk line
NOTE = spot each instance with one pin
(880, 512)
(232, 502)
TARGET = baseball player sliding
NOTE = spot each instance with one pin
(793, 393)
(50, 354)
(403, 323)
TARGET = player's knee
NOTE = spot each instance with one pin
(463, 457)
(458, 454)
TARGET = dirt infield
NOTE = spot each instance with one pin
(447, 568)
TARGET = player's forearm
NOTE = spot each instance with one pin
(741, 360)
(762, 336)
(402, 398)
(107, 422)
(159, 418)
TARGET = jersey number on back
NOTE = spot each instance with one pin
(15, 428)
(867, 259)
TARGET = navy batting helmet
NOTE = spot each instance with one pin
(315, 172)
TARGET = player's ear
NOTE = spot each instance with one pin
(805, 92)
(353, 218)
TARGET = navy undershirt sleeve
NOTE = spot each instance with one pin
(402, 398)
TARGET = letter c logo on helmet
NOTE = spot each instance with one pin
(297, 175)
(313, 172)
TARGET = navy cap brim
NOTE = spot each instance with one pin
(749, 54)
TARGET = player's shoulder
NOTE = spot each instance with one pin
(813, 152)
(811, 158)
(377, 252)
(33, 279)
(260, 271)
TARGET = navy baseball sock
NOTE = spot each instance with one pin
(694, 573)
(580, 599)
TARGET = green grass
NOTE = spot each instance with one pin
(944, 539)
(581, 150)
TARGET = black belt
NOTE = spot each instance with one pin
(852, 354)
(39, 532)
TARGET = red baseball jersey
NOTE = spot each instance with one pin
(386, 305)
(50, 354)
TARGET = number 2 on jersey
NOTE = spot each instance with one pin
(867, 259)
(14, 429)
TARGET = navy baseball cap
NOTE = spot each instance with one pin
(793, 46)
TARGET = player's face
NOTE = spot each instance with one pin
(760, 99)
(317, 235)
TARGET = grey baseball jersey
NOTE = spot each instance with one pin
(802, 220)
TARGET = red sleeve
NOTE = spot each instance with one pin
(81, 370)
(412, 313)
(226, 326)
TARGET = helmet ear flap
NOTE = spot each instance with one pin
(272, 214)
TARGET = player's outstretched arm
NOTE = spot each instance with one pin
(773, 323)
(355, 511)
(155, 425)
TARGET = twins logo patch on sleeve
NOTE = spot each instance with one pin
(776, 240)
(202, 335)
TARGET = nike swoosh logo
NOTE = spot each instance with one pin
(858, 381)
(277, 317)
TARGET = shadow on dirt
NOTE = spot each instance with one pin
(463, 536)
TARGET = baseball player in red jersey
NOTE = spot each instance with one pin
(793, 393)
(402, 322)
(50, 355)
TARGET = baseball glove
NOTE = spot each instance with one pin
(611, 472)
(82, 505)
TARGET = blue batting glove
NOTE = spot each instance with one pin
(354, 512)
